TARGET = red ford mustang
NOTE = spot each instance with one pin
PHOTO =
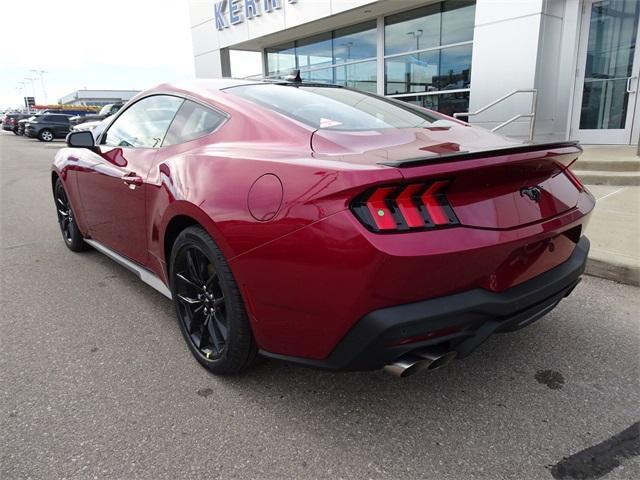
(325, 226)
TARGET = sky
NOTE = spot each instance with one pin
(93, 44)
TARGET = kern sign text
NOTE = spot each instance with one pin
(233, 12)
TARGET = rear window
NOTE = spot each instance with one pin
(192, 121)
(334, 108)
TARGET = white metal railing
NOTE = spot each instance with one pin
(531, 114)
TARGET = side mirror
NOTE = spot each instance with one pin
(83, 139)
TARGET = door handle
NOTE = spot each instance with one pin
(132, 180)
(629, 83)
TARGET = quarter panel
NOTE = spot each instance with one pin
(210, 178)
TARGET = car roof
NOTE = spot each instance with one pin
(211, 87)
(222, 83)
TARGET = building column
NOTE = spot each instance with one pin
(505, 50)
(529, 44)
(213, 64)
(225, 63)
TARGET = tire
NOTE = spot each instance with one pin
(15, 131)
(66, 219)
(209, 306)
(45, 135)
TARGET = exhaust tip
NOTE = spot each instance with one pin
(442, 360)
(406, 366)
(426, 359)
(436, 357)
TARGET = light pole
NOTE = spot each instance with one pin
(417, 34)
(33, 85)
(20, 92)
(349, 45)
(23, 92)
(41, 73)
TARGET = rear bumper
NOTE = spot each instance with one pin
(471, 316)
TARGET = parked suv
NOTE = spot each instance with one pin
(22, 124)
(47, 127)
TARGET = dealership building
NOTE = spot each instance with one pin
(568, 68)
(97, 98)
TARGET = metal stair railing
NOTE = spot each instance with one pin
(531, 114)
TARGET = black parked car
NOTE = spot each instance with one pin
(10, 121)
(47, 127)
(105, 112)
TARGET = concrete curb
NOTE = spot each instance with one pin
(618, 178)
(611, 269)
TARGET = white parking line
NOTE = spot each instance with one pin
(609, 194)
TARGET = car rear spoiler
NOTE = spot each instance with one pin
(466, 155)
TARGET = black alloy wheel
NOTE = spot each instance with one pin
(208, 304)
(70, 233)
(201, 302)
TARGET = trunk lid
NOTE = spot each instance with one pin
(494, 183)
(524, 188)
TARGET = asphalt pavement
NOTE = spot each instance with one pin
(97, 382)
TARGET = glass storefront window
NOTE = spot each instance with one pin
(411, 73)
(322, 58)
(455, 68)
(361, 76)
(445, 69)
(355, 43)
(324, 75)
(412, 30)
(281, 59)
(314, 51)
(458, 19)
(443, 23)
(447, 103)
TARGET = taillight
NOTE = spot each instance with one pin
(404, 208)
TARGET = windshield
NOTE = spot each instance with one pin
(109, 109)
(334, 108)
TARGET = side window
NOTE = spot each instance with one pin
(144, 124)
(192, 121)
